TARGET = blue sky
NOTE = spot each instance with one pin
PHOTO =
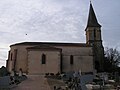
(56, 21)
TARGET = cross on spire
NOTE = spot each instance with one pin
(90, 1)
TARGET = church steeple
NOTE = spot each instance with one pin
(93, 28)
(94, 38)
(92, 20)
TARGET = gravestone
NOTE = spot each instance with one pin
(20, 72)
(12, 73)
(85, 79)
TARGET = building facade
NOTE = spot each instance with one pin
(53, 57)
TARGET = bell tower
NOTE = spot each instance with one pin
(94, 38)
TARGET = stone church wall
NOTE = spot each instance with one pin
(30, 63)
(52, 62)
(82, 57)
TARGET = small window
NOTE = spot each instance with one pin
(94, 33)
(43, 59)
(71, 59)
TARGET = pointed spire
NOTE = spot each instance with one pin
(92, 20)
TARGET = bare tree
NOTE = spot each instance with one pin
(112, 55)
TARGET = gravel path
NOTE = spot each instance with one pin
(34, 82)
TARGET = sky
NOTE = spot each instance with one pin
(56, 21)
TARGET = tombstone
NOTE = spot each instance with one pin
(20, 72)
(12, 73)
(76, 75)
(106, 77)
(85, 79)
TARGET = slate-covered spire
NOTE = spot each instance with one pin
(92, 20)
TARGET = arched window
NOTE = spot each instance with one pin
(71, 59)
(43, 59)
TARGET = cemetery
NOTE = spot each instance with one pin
(63, 81)
(77, 81)
(10, 80)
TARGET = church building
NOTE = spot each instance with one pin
(53, 57)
